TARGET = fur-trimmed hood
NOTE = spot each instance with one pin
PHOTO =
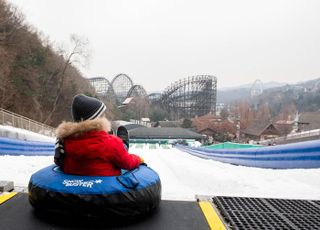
(67, 129)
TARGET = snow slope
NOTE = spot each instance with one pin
(183, 176)
(22, 134)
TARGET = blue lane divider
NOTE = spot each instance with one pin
(9, 146)
(296, 155)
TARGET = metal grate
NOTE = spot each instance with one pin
(294, 206)
(242, 204)
(306, 222)
(259, 213)
(256, 220)
(316, 202)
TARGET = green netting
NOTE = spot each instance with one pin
(150, 141)
(231, 145)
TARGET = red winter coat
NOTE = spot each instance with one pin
(90, 150)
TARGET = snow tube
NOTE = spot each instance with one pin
(134, 193)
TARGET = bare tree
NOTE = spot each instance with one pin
(263, 113)
(141, 107)
(287, 112)
(77, 56)
(11, 21)
(244, 112)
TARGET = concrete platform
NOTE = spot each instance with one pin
(217, 213)
(16, 213)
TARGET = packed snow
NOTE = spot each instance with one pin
(184, 176)
(21, 134)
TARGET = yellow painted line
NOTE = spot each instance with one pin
(6, 196)
(212, 217)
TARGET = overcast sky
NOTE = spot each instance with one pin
(157, 42)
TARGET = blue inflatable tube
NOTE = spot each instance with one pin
(134, 193)
(289, 156)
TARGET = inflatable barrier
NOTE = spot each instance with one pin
(134, 193)
(297, 155)
(231, 145)
(10, 146)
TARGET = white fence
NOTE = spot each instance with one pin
(18, 121)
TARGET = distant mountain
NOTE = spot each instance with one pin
(301, 97)
(266, 85)
(311, 85)
(228, 95)
(305, 96)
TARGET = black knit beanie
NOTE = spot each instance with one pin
(86, 108)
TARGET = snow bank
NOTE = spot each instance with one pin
(22, 134)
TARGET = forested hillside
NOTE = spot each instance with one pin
(305, 96)
(279, 103)
(35, 80)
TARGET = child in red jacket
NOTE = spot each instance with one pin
(84, 146)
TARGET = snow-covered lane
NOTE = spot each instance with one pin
(183, 176)
(20, 168)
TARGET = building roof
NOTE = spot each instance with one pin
(206, 129)
(168, 123)
(208, 116)
(133, 126)
(311, 120)
(284, 129)
(126, 124)
(145, 119)
(257, 127)
(203, 122)
(163, 133)
(127, 101)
